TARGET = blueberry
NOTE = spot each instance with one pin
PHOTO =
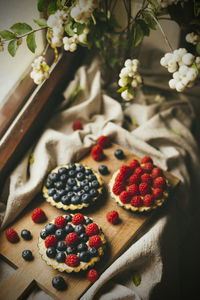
(68, 189)
(43, 234)
(56, 197)
(85, 182)
(119, 154)
(59, 283)
(80, 193)
(86, 198)
(92, 177)
(82, 247)
(62, 192)
(75, 199)
(51, 252)
(88, 221)
(70, 194)
(50, 228)
(71, 250)
(53, 177)
(84, 237)
(71, 181)
(27, 255)
(94, 193)
(95, 184)
(72, 173)
(63, 178)
(76, 188)
(72, 166)
(80, 168)
(60, 257)
(65, 199)
(87, 188)
(68, 218)
(60, 234)
(51, 192)
(62, 171)
(59, 185)
(103, 170)
(61, 246)
(79, 229)
(26, 235)
(80, 176)
(49, 184)
(93, 251)
(69, 228)
(88, 171)
(84, 256)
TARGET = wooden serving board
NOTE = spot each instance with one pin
(119, 237)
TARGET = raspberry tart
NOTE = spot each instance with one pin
(139, 186)
(72, 187)
(71, 243)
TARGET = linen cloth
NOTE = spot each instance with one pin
(164, 131)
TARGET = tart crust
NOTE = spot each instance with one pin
(72, 207)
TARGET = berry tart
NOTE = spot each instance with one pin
(139, 186)
(71, 243)
(72, 187)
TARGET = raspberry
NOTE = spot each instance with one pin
(60, 222)
(72, 239)
(133, 189)
(72, 260)
(92, 275)
(103, 141)
(95, 241)
(78, 219)
(148, 200)
(126, 171)
(97, 153)
(92, 229)
(50, 241)
(148, 167)
(138, 171)
(136, 201)
(12, 235)
(146, 159)
(157, 193)
(159, 182)
(118, 187)
(144, 188)
(125, 197)
(77, 125)
(146, 178)
(38, 215)
(134, 179)
(112, 217)
(134, 163)
(156, 172)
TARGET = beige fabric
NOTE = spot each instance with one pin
(155, 254)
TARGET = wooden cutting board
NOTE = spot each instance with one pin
(119, 237)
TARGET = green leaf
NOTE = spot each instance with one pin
(41, 5)
(21, 28)
(122, 89)
(59, 4)
(136, 278)
(41, 22)
(138, 34)
(144, 27)
(52, 7)
(198, 48)
(68, 29)
(149, 20)
(12, 47)
(80, 27)
(7, 35)
(30, 41)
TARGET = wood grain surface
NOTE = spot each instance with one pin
(119, 237)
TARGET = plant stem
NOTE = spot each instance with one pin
(21, 36)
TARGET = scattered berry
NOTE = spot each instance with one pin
(133, 189)
(27, 255)
(97, 153)
(134, 163)
(157, 193)
(136, 201)
(72, 239)
(144, 188)
(146, 159)
(78, 219)
(138, 171)
(92, 229)
(118, 187)
(148, 167)
(38, 215)
(95, 241)
(103, 169)
(50, 241)
(119, 154)
(72, 260)
(125, 197)
(156, 172)
(92, 275)
(159, 182)
(112, 217)
(146, 178)
(148, 200)
(77, 125)
(12, 235)
(26, 235)
(59, 283)
(60, 222)
(103, 141)
(134, 179)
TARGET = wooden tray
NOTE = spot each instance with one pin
(119, 237)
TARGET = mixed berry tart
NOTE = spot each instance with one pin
(71, 243)
(72, 187)
(139, 186)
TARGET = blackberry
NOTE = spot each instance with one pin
(79, 229)
(119, 154)
(60, 234)
(103, 169)
(71, 250)
(27, 255)
(61, 246)
(50, 228)
(60, 257)
(51, 252)
(51, 192)
(59, 283)
(84, 256)
(68, 228)
(26, 235)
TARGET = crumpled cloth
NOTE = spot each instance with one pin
(167, 132)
